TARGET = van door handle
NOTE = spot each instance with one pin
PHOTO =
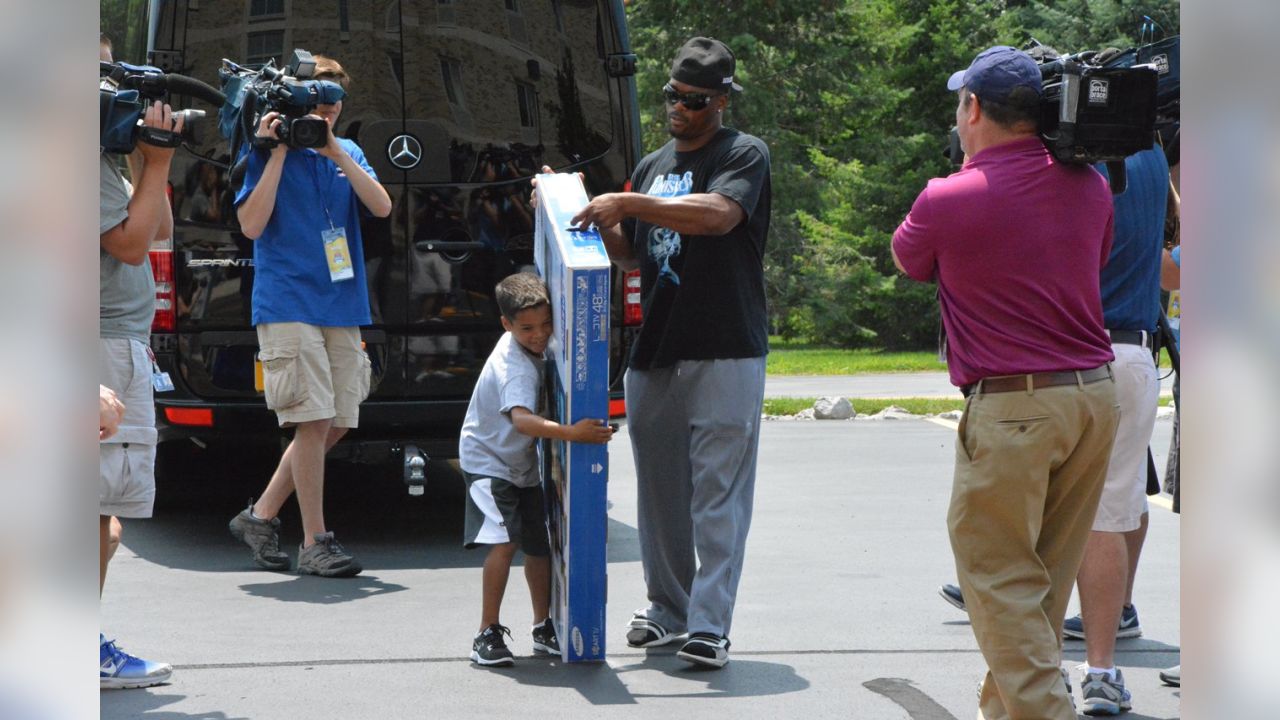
(446, 246)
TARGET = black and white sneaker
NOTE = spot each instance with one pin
(544, 638)
(951, 593)
(705, 649)
(643, 633)
(489, 648)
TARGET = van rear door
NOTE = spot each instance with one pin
(501, 89)
(214, 341)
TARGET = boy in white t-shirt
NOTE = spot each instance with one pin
(498, 454)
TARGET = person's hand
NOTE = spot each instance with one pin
(591, 431)
(160, 117)
(533, 184)
(332, 149)
(533, 194)
(604, 211)
(269, 129)
(110, 412)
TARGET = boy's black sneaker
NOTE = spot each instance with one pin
(705, 649)
(544, 638)
(489, 648)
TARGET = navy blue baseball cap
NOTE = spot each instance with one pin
(996, 72)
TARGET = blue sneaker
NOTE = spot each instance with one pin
(1073, 628)
(118, 669)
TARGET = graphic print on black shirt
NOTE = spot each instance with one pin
(664, 243)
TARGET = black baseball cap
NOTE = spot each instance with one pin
(705, 62)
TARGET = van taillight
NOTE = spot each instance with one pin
(165, 319)
(631, 312)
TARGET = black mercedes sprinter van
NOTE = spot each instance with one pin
(456, 104)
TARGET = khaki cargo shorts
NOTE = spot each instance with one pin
(313, 373)
(127, 481)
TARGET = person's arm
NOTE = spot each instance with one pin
(370, 191)
(619, 247)
(583, 431)
(255, 212)
(695, 214)
(137, 167)
(912, 245)
(149, 211)
(616, 241)
(1170, 272)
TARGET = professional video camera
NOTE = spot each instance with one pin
(1094, 112)
(125, 91)
(1101, 107)
(290, 91)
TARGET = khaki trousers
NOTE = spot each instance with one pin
(1029, 471)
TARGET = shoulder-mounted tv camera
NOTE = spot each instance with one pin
(125, 91)
(290, 91)
(1094, 112)
(1103, 106)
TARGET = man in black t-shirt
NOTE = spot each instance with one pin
(696, 227)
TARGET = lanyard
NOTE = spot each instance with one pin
(322, 194)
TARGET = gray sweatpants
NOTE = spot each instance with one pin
(695, 429)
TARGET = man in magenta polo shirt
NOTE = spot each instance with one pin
(1015, 242)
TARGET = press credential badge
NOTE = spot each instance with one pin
(338, 255)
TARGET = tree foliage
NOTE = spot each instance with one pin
(850, 97)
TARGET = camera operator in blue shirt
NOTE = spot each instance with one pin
(303, 207)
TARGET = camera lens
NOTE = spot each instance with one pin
(308, 132)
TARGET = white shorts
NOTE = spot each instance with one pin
(1124, 495)
(127, 485)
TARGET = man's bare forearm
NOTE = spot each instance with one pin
(130, 241)
(619, 248)
(370, 191)
(255, 212)
(697, 214)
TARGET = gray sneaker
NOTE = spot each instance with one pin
(262, 537)
(1104, 696)
(326, 558)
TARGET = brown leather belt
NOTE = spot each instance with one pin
(1035, 381)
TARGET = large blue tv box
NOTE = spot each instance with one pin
(575, 475)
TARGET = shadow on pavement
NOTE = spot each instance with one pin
(366, 506)
(147, 703)
(740, 678)
(604, 684)
(322, 591)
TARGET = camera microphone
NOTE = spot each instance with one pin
(181, 85)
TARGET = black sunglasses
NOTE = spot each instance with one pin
(691, 101)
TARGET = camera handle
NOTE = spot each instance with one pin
(159, 138)
(1116, 176)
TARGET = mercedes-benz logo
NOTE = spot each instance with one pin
(405, 152)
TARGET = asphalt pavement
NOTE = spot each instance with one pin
(838, 614)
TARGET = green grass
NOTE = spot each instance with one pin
(794, 358)
(789, 357)
(871, 406)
